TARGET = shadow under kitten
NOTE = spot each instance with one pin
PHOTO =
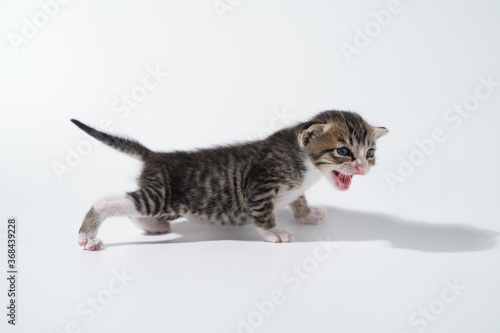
(346, 225)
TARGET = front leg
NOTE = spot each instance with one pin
(261, 207)
(305, 214)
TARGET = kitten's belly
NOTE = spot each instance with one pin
(203, 219)
(286, 197)
(196, 218)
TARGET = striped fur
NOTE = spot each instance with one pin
(238, 184)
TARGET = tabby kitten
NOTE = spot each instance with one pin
(239, 184)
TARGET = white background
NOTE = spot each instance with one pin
(229, 77)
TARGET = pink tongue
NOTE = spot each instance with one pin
(344, 180)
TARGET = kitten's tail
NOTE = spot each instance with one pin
(127, 146)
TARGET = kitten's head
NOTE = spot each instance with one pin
(340, 144)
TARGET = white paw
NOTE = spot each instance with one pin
(275, 235)
(90, 244)
(315, 216)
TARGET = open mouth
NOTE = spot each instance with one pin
(341, 180)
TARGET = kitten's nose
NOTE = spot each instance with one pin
(360, 169)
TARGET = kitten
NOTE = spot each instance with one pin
(239, 184)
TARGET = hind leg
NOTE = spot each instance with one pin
(109, 206)
(152, 225)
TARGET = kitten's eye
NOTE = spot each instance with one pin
(370, 153)
(343, 151)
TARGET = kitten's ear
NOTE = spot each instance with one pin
(379, 132)
(311, 131)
